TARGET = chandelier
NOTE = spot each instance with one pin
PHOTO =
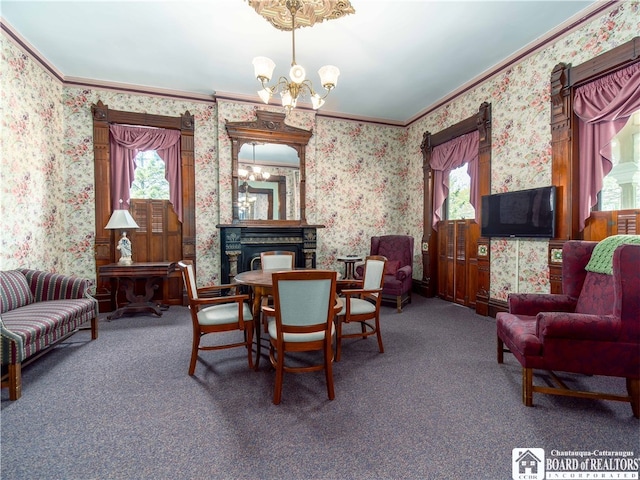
(256, 173)
(245, 202)
(298, 85)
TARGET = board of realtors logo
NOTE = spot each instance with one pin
(531, 464)
(527, 464)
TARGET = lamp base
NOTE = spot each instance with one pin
(125, 261)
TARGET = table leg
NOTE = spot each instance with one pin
(259, 293)
(138, 303)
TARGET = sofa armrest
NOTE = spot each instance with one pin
(404, 272)
(531, 304)
(12, 346)
(55, 286)
(578, 326)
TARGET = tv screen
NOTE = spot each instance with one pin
(526, 213)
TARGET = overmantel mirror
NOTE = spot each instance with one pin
(268, 169)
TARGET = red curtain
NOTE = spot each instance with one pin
(449, 156)
(125, 143)
(603, 108)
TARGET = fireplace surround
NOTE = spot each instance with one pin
(241, 245)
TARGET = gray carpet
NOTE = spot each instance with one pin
(435, 405)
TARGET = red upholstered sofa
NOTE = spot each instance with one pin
(38, 310)
(398, 249)
(592, 328)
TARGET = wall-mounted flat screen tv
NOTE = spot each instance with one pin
(525, 213)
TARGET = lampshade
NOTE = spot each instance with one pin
(263, 67)
(329, 76)
(265, 95)
(316, 101)
(121, 219)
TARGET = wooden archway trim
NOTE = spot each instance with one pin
(482, 123)
(102, 117)
(565, 157)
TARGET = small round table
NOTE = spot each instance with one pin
(349, 264)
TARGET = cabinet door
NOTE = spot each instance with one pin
(457, 261)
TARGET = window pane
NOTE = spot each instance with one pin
(620, 189)
(458, 206)
(150, 181)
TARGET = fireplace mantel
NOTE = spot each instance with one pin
(241, 245)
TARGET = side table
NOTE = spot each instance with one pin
(349, 264)
(126, 275)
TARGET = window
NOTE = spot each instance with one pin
(458, 205)
(621, 187)
(150, 179)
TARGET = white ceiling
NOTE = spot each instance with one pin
(396, 58)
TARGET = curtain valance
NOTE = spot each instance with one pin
(125, 143)
(603, 107)
(449, 156)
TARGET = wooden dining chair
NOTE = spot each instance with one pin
(275, 260)
(362, 304)
(216, 309)
(302, 320)
(278, 259)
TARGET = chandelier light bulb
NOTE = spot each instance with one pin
(297, 74)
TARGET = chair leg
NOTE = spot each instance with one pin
(194, 352)
(277, 390)
(633, 388)
(248, 334)
(338, 338)
(379, 335)
(500, 350)
(399, 303)
(527, 386)
(328, 370)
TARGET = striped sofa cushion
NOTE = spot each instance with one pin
(54, 286)
(42, 323)
(14, 291)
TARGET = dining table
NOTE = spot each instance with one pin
(261, 283)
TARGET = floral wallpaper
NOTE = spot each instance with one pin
(362, 179)
(521, 136)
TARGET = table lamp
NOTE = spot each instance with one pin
(121, 220)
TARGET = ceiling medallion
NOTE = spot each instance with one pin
(277, 12)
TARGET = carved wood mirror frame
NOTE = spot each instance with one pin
(481, 122)
(269, 127)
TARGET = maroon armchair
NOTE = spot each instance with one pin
(398, 249)
(592, 328)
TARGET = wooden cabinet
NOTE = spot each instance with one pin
(458, 261)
